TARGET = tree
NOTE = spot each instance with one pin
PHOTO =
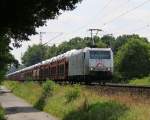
(98, 42)
(77, 43)
(51, 52)
(109, 40)
(121, 40)
(133, 59)
(5, 56)
(74, 43)
(34, 54)
(20, 18)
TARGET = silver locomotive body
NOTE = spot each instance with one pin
(84, 65)
(91, 63)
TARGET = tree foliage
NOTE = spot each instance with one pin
(5, 56)
(76, 43)
(37, 53)
(132, 53)
(20, 18)
(34, 54)
(133, 59)
(109, 40)
(121, 40)
(79, 43)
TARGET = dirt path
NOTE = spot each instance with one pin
(18, 109)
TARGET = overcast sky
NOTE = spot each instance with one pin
(115, 17)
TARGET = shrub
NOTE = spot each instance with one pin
(85, 105)
(2, 113)
(117, 78)
(73, 93)
(99, 111)
(40, 103)
(48, 87)
(12, 85)
(133, 59)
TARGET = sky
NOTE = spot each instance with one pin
(115, 17)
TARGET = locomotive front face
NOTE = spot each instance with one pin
(100, 61)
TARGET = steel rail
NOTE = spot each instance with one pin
(127, 86)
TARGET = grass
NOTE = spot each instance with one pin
(142, 81)
(98, 111)
(74, 102)
(2, 113)
(29, 91)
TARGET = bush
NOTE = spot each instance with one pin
(117, 78)
(133, 59)
(73, 93)
(2, 113)
(48, 87)
(13, 85)
(99, 111)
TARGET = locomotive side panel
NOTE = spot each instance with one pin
(76, 62)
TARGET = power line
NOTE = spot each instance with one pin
(126, 12)
(117, 7)
(60, 34)
(96, 16)
(141, 28)
(102, 9)
(140, 19)
(106, 5)
(136, 30)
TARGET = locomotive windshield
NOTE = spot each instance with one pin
(99, 54)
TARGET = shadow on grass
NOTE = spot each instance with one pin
(98, 111)
(48, 89)
(40, 103)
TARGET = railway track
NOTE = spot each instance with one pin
(128, 86)
(122, 88)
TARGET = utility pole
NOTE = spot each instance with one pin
(41, 36)
(94, 32)
(41, 43)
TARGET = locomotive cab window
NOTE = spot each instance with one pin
(99, 54)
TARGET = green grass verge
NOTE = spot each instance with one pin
(2, 113)
(79, 103)
(142, 81)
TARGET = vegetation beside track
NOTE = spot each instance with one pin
(2, 113)
(75, 102)
(142, 81)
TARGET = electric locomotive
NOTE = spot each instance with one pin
(84, 65)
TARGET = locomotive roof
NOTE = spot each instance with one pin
(61, 56)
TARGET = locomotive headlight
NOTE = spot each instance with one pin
(108, 69)
(92, 68)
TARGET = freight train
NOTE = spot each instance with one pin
(85, 65)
